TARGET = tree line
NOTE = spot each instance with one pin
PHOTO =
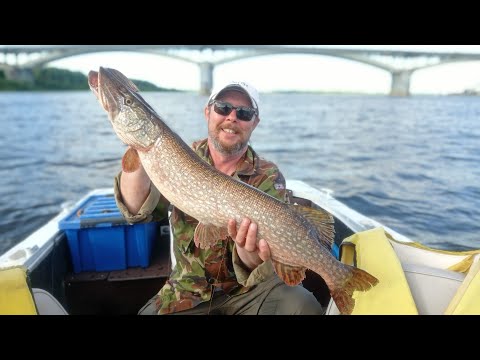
(61, 79)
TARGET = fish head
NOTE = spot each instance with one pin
(133, 120)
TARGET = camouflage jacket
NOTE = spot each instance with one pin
(198, 273)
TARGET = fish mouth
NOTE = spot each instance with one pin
(101, 85)
(93, 82)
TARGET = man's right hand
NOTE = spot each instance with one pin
(250, 252)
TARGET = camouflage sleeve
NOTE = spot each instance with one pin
(261, 273)
(273, 183)
(153, 209)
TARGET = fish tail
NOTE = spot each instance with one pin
(360, 280)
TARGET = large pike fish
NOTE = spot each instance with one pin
(299, 237)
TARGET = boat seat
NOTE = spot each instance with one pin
(18, 298)
(46, 303)
(432, 289)
(407, 287)
(15, 293)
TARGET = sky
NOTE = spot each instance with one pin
(290, 72)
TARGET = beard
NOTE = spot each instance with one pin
(226, 149)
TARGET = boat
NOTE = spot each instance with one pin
(413, 279)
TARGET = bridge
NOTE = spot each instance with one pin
(400, 64)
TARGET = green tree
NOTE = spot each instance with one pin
(61, 79)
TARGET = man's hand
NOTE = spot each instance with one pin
(251, 253)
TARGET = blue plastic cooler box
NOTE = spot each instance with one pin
(100, 239)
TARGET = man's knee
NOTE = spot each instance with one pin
(292, 300)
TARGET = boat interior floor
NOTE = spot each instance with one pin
(119, 292)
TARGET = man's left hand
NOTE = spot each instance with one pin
(251, 253)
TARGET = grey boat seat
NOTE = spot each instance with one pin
(46, 303)
(432, 288)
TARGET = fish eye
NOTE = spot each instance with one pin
(128, 101)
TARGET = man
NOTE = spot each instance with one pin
(235, 276)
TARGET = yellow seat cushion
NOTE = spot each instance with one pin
(15, 295)
(371, 251)
(467, 299)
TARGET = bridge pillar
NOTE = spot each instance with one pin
(401, 83)
(19, 74)
(206, 78)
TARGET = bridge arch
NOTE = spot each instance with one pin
(206, 68)
(458, 79)
(63, 55)
(355, 58)
(345, 71)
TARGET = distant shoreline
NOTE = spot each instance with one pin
(53, 79)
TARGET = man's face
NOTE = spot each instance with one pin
(227, 133)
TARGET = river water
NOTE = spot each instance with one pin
(410, 163)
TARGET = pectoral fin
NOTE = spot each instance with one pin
(130, 160)
(291, 275)
(207, 235)
(321, 219)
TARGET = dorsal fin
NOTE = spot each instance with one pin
(291, 275)
(130, 160)
(321, 219)
(125, 80)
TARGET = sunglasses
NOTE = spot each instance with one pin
(244, 113)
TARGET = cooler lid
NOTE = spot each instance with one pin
(95, 211)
